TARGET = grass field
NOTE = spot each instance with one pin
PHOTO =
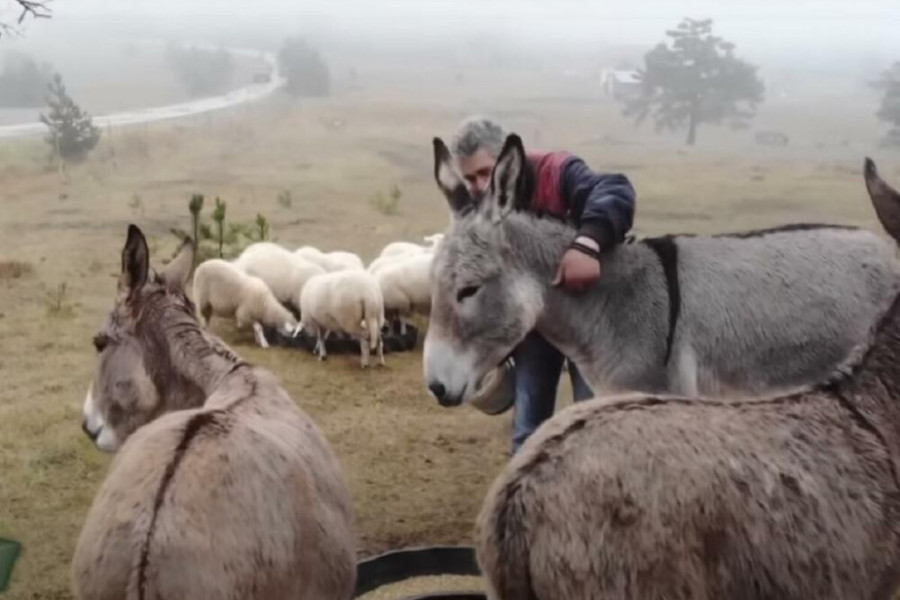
(417, 472)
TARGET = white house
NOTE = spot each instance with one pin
(620, 84)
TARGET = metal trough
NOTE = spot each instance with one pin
(399, 565)
(9, 552)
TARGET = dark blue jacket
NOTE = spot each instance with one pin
(601, 204)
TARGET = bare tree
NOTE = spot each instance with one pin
(36, 9)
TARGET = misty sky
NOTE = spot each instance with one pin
(783, 27)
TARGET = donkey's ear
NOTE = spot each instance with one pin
(449, 180)
(178, 271)
(885, 199)
(135, 262)
(507, 178)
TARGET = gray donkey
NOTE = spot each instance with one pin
(221, 486)
(794, 497)
(751, 312)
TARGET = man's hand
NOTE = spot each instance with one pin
(577, 270)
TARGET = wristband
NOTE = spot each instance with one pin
(585, 249)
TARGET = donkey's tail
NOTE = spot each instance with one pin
(503, 553)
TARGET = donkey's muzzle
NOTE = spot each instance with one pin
(87, 430)
(440, 393)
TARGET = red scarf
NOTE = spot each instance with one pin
(547, 174)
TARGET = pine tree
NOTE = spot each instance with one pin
(697, 80)
(72, 131)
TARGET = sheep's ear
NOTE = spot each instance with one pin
(885, 199)
(507, 179)
(135, 263)
(449, 180)
(178, 271)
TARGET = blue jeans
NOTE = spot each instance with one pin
(538, 368)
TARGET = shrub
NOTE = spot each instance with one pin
(72, 131)
(388, 204)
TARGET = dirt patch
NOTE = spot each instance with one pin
(15, 269)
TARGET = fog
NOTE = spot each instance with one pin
(805, 51)
(820, 35)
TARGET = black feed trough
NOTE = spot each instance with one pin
(343, 344)
(399, 565)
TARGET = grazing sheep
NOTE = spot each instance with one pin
(221, 487)
(395, 249)
(348, 260)
(383, 261)
(347, 301)
(331, 261)
(639, 497)
(282, 270)
(406, 287)
(223, 290)
(433, 240)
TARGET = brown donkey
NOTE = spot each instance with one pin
(221, 487)
(652, 497)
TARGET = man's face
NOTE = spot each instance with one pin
(476, 169)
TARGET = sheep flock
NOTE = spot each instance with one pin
(320, 293)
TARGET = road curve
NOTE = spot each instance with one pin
(249, 93)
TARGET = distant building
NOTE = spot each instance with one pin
(621, 85)
(772, 138)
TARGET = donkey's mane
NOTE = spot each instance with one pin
(762, 232)
(568, 221)
(172, 313)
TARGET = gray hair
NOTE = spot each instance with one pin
(475, 133)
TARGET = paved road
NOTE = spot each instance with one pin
(242, 95)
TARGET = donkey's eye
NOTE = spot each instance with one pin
(466, 292)
(101, 341)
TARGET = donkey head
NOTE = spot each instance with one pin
(483, 302)
(128, 389)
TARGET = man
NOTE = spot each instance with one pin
(601, 205)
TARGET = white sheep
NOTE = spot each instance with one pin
(349, 260)
(395, 251)
(331, 261)
(282, 270)
(383, 261)
(406, 287)
(433, 240)
(223, 290)
(402, 249)
(346, 301)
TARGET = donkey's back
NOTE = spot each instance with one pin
(775, 309)
(241, 499)
(663, 497)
